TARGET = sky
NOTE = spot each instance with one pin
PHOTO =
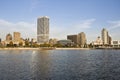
(67, 17)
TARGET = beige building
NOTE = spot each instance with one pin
(104, 36)
(17, 36)
(79, 40)
(98, 42)
(8, 37)
(16, 39)
(106, 39)
(82, 39)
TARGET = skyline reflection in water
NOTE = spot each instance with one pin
(59, 65)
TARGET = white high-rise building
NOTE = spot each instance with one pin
(104, 36)
(42, 29)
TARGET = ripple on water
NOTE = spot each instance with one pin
(60, 65)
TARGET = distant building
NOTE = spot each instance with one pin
(0, 40)
(52, 41)
(17, 36)
(8, 37)
(65, 42)
(8, 40)
(98, 42)
(105, 36)
(73, 38)
(115, 43)
(79, 40)
(42, 29)
(109, 40)
(82, 39)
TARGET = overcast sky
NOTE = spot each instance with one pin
(66, 17)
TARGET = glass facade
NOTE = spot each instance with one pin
(43, 29)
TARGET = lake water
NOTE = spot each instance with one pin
(60, 65)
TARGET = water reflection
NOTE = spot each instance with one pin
(40, 64)
(59, 65)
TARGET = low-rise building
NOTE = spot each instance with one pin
(115, 43)
(97, 42)
(65, 42)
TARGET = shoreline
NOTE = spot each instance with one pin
(59, 48)
(19, 48)
(73, 48)
(45, 49)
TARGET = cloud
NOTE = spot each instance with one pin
(114, 24)
(62, 32)
(26, 29)
(85, 24)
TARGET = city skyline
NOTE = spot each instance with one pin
(84, 16)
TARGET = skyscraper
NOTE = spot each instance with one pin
(105, 36)
(42, 29)
(82, 39)
(16, 36)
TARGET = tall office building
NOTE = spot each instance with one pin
(8, 37)
(42, 29)
(105, 36)
(16, 36)
(73, 38)
(82, 39)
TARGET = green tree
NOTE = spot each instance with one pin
(26, 43)
(10, 44)
(34, 45)
(45, 45)
(58, 45)
(90, 45)
(20, 43)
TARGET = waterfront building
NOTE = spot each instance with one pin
(17, 36)
(109, 40)
(104, 35)
(42, 29)
(97, 42)
(8, 37)
(65, 42)
(3, 43)
(78, 40)
(73, 38)
(0, 40)
(115, 43)
(82, 39)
